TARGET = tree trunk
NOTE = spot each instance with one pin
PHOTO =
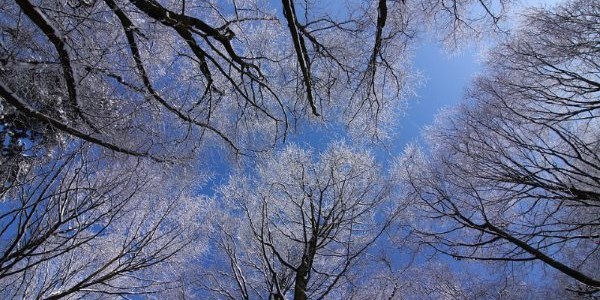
(303, 272)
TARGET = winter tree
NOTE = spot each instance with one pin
(78, 224)
(301, 229)
(514, 172)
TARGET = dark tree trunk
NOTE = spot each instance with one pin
(303, 272)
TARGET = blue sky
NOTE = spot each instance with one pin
(445, 78)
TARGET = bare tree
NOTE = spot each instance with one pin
(514, 172)
(300, 229)
(82, 224)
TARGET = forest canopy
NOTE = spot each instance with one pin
(115, 116)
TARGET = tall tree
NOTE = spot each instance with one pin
(514, 172)
(79, 224)
(301, 229)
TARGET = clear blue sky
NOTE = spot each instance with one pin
(444, 80)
